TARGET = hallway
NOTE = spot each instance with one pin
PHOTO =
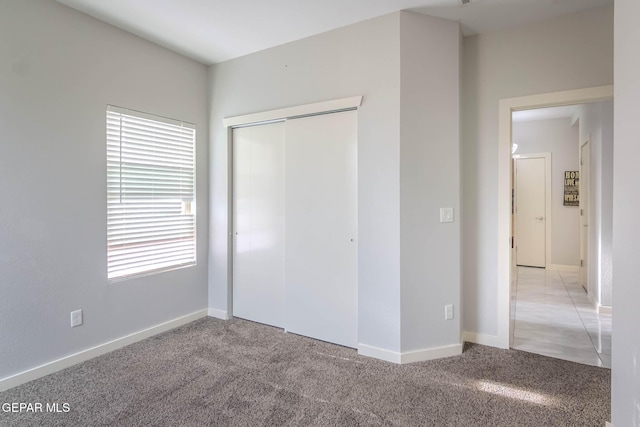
(553, 316)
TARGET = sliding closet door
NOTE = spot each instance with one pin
(321, 227)
(259, 223)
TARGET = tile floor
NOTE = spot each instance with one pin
(553, 316)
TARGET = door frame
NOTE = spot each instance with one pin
(584, 215)
(547, 203)
(505, 108)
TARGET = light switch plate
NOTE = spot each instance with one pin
(448, 312)
(446, 214)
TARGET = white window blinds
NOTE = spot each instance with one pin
(150, 193)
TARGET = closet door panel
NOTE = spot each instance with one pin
(321, 227)
(258, 218)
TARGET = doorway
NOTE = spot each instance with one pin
(552, 314)
(506, 108)
(532, 184)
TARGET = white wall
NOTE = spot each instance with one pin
(560, 138)
(361, 59)
(596, 125)
(625, 405)
(408, 160)
(429, 179)
(58, 71)
(560, 54)
(606, 206)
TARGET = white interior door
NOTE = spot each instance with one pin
(585, 159)
(259, 223)
(530, 236)
(321, 228)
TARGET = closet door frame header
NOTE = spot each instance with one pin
(299, 111)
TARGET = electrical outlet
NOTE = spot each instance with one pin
(448, 312)
(76, 318)
(446, 214)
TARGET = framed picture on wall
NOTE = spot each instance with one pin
(571, 188)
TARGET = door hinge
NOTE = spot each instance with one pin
(581, 212)
(581, 161)
(581, 263)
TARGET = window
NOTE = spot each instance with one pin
(150, 194)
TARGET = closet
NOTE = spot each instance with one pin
(295, 224)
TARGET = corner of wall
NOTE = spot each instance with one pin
(429, 154)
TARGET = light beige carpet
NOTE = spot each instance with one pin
(240, 373)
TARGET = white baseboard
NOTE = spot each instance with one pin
(410, 356)
(219, 314)
(600, 309)
(65, 362)
(572, 268)
(484, 339)
(379, 353)
(431, 353)
(607, 424)
(605, 309)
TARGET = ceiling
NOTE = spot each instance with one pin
(212, 31)
(567, 111)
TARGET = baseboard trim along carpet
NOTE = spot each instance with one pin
(484, 339)
(410, 356)
(81, 356)
(219, 314)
